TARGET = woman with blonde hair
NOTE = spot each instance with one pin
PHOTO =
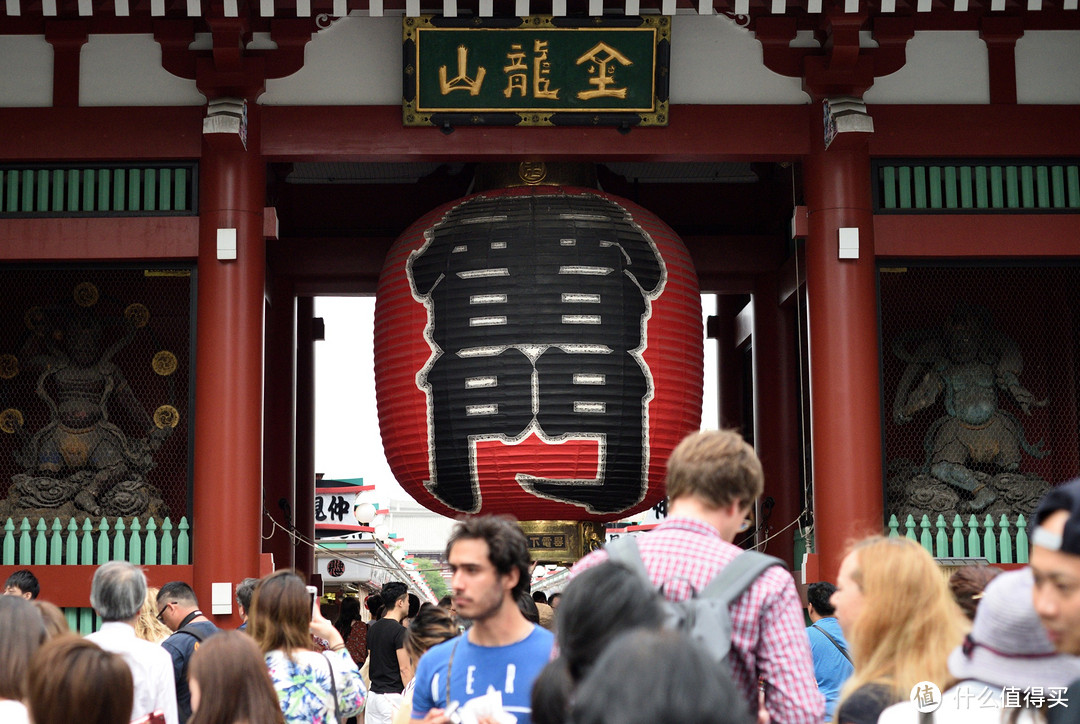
(230, 683)
(901, 623)
(147, 626)
(312, 687)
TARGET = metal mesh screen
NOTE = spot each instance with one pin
(94, 393)
(979, 379)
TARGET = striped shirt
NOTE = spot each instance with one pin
(768, 639)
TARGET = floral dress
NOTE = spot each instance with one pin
(304, 687)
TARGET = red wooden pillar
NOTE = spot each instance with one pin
(280, 426)
(844, 378)
(229, 372)
(305, 433)
(776, 417)
(729, 361)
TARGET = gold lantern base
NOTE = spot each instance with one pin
(562, 542)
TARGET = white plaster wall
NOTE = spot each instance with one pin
(26, 71)
(1048, 67)
(355, 61)
(942, 67)
(125, 70)
(714, 61)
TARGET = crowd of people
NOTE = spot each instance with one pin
(893, 641)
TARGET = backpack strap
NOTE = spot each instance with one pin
(733, 580)
(625, 550)
(726, 586)
(835, 643)
(192, 632)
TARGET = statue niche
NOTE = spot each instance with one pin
(80, 461)
(973, 451)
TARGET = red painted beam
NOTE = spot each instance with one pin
(982, 235)
(108, 133)
(100, 239)
(975, 130)
(375, 133)
(70, 585)
(696, 133)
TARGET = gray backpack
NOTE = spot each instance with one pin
(704, 617)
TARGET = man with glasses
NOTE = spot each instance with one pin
(178, 608)
(713, 479)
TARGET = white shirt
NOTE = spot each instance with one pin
(13, 712)
(151, 669)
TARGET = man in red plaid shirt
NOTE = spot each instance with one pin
(713, 478)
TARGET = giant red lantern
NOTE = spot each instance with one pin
(538, 352)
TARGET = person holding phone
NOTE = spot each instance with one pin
(312, 687)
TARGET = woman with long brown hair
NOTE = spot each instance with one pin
(230, 683)
(72, 679)
(312, 687)
(900, 621)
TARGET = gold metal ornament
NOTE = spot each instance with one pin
(165, 363)
(11, 420)
(561, 541)
(137, 314)
(166, 416)
(532, 172)
(86, 294)
(514, 174)
(9, 366)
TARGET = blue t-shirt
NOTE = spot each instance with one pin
(831, 669)
(509, 669)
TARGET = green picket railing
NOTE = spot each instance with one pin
(91, 544)
(112, 189)
(1001, 541)
(990, 186)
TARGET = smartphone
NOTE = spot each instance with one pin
(313, 599)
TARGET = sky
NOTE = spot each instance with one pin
(347, 439)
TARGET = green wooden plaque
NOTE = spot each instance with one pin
(536, 71)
